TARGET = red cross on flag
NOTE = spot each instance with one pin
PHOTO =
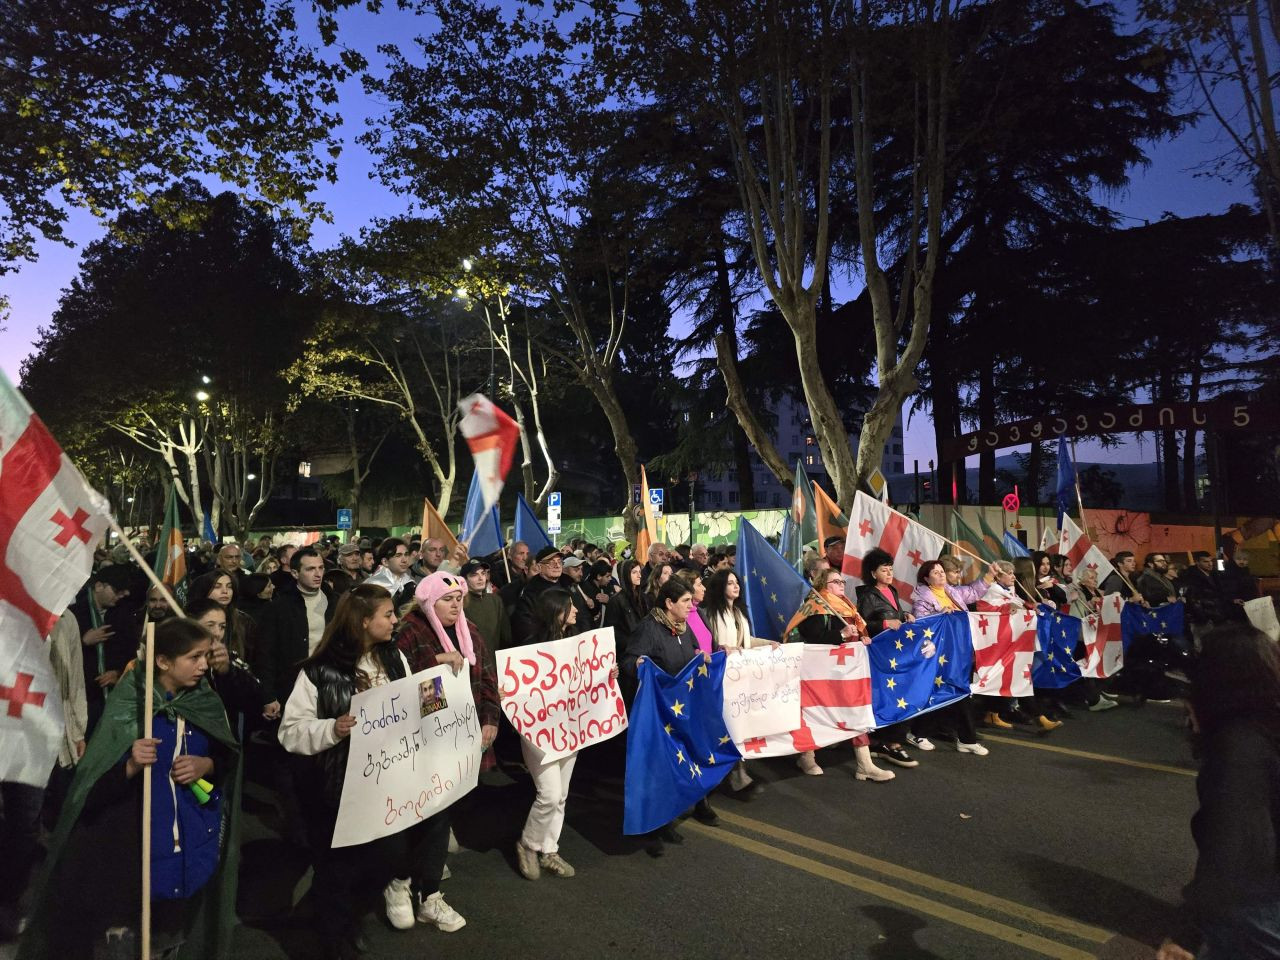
(873, 524)
(1103, 644)
(49, 520)
(492, 437)
(835, 702)
(1004, 644)
(1082, 552)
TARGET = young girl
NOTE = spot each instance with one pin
(194, 853)
(538, 848)
(229, 676)
(357, 653)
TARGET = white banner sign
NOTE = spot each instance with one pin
(762, 691)
(415, 749)
(1262, 614)
(558, 695)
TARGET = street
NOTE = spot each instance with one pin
(1069, 845)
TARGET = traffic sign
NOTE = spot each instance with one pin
(344, 519)
(553, 513)
(656, 499)
(635, 493)
(876, 481)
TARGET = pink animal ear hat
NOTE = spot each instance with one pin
(430, 590)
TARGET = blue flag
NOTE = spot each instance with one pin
(678, 747)
(528, 529)
(480, 530)
(1013, 547)
(904, 682)
(772, 591)
(1054, 665)
(209, 533)
(1136, 621)
(1066, 480)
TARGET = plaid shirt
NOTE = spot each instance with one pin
(421, 647)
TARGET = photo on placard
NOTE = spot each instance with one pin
(431, 696)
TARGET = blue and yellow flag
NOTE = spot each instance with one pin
(904, 682)
(772, 591)
(1054, 665)
(678, 747)
(1137, 621)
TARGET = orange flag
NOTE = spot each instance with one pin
(433, 525)
(831, 522)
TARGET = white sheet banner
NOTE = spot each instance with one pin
(415, 749)
(1262, 614)
(762, 691)
(558, 695)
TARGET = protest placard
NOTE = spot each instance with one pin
(415, 749)
(762, 691)
(1262, 614)
(558, 695)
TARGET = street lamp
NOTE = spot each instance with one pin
(202, 396)
(466, 264)
(251, 476)
(205, 380)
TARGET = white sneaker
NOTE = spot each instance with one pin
(976, 749)
(920, 743)
(435, 911)
(1103, 704)
(399, 904)
(453, 842)
(446, 874)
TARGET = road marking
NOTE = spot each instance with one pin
(902, 898)
(1087, 755)
(958, 891)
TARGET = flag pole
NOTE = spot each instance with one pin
(1075, 468)
(147, 729)
(943, 538)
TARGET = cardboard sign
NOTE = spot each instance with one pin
(415, 749)
(762, 691)
(558, 695)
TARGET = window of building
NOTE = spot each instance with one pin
(810, 460)
(733, 497)
(897, 448)
(304, 468)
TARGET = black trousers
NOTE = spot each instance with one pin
(956, 718)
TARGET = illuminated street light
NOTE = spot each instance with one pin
(205, 380)
(466, 264)
(201, 396)
(251, 476)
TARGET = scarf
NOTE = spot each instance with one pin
(430, 590)
(826, 603)
(944, 599)
(661, 616)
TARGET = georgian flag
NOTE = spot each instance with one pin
(492, 436)
(835, 702)
(872, 524)
(1004, 645)
(1082, 552)
(1103, 640)
(49, 520)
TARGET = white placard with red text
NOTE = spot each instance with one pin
(559, 695)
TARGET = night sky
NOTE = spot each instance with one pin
(1175, 182)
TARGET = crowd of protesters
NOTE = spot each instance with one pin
(273, 640)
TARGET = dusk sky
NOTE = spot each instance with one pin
(1169, 184)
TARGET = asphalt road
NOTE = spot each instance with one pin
(1073, 844)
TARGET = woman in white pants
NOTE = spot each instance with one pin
(538, 848)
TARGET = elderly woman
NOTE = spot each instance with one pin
(1086, 602)
(1009, 593)
(939, 590)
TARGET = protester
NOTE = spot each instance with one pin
(358, 653)
(701, 632)
(939, 589)
(588, 603)
(1086, 603)
(255, 593)
(230, 559)
(392, 574)
(241, 630)
(1049, 589)
(1233, 900)
(663, 637)
(107, 650)
(626, 608)
(548, 567)
(485, 609)
(193, 876)
(1121, 579)
(291, 628)
(1238, 585)
(698, 557)
(658, 574)
(538, 848)
(228, 674)
(1012, 591)
(833, 550)
(1200, 588)
(349, 562)
(878, 601)
(1154, 583)
(510, 576)
(268, 565)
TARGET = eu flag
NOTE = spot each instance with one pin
(678, 747)
(528, 529)
(1066, 480)
(481, 531)
(1137, 621)
(772, 591)
(1054, 665)
(904, 682)
(1013, 547)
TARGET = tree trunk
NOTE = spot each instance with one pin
(624, 445)
(1190, 499)
(742, 462)
(750, 423)
(987, 420)
(945, 403)
(729, 329)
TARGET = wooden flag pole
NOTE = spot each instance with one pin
(146, 568)
(147, 728)
(1080, 502)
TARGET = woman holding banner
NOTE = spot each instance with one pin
(538, 848)
(357, 653)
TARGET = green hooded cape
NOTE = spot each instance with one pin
(211, 914)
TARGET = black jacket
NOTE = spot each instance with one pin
(651, 639)
(823, 628)
(1155, 589)
(282, 641)
(875, 609)
(623, 612)
(1205, 603)
(523, 620)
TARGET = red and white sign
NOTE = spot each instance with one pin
(492, 437)
(1082, 552)
(1004, 644)
(1103, 644)
(49, 521)
(835, 702)
(558, 695)
(873, 524)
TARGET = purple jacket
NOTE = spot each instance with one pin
(925, 604)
